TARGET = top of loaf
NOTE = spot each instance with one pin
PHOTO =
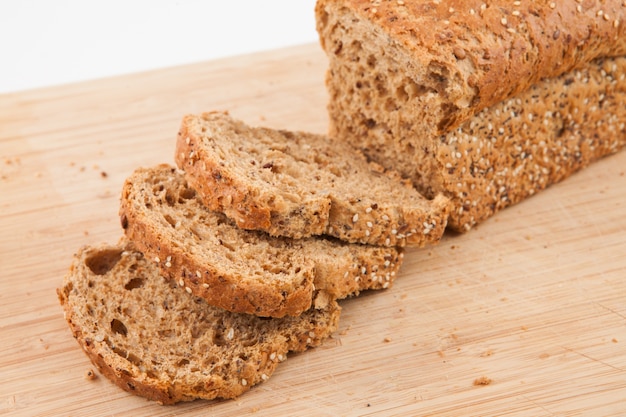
(474, 54)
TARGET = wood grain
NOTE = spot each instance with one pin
(525, 315)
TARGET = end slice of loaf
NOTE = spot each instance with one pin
(154, 340)
(299, 184)
(239, 270)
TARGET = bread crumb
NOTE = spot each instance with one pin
(614, 340)
(45, 345)
(90, 375)
(387, 340)
(103, 174)
(483, 380)
(486, 353)
(12, 161)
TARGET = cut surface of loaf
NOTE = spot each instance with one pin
(491, 157)
(239, 270)
(299, 184)
(447, 63)
(154, 340)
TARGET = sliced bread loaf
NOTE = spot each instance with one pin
(392, 87)
(154, 340)
(239, 270)
(299, 184)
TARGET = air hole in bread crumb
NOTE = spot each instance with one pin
(103, 261)
(187, 194)
(371, 61)
(134, 283)
(170, 220)
(169, 198)
(118, 327)
(219, 339)
(370, 123)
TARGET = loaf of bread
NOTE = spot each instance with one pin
(155, 340)
(299, 184)
(443, 62)
(239, 270)
(486, 104)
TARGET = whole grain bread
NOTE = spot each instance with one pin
(535, 131)
(299, 184)
(240, 270)
(154, 340)
(443, 62)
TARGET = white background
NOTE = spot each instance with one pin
(51, 42)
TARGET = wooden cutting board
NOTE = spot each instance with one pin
(524, 315)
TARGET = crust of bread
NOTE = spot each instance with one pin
(538, 138)
(298, 184)
(242, 271)
(154, 340)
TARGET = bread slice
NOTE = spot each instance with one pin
(385, 94)
(434, 66)
(154, 340)
(243, 271)
(299, 184)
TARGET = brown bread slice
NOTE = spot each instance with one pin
(299, 184)
(387, 99)
(239, 270)
(154, 340)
